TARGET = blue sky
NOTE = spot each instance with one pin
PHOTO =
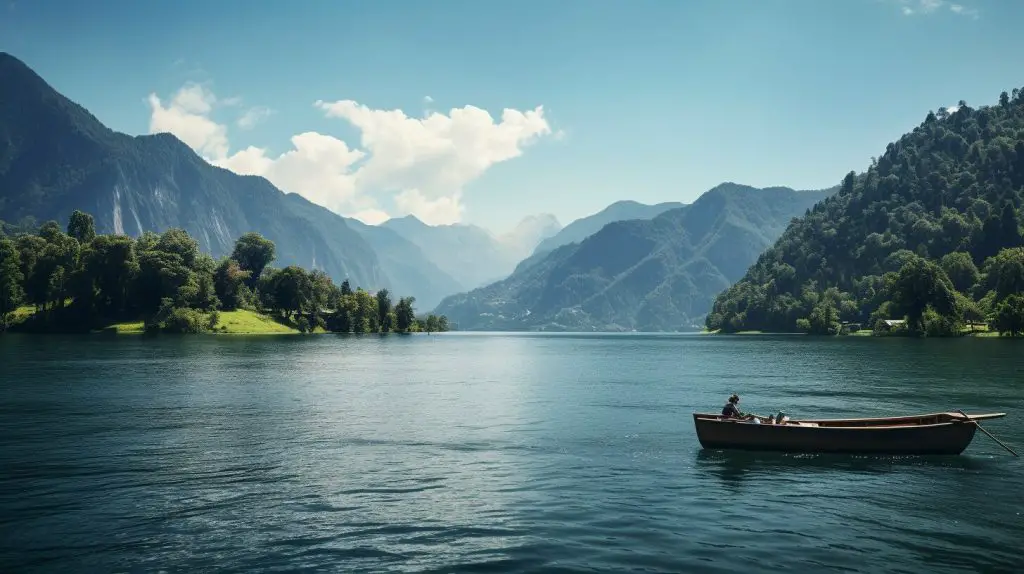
(645, 100)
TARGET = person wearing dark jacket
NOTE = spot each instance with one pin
(731, 410)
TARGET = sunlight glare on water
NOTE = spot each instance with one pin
(510, 453)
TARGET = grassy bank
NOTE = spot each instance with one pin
(240, 322)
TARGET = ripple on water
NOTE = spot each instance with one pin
(491, 454)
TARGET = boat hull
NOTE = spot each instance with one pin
(945, 438)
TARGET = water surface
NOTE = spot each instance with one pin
(499, 453)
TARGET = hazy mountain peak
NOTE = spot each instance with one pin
(584, 227)
(660, 273)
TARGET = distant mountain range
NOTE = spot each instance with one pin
(470, 254)
(586, 226)
(660, 274)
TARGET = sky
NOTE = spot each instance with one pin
(487, 112)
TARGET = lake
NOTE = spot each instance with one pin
(492, 452)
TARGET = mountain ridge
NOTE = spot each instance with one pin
(655, 275)
(930, 232)
(55, 157)
(580, 229)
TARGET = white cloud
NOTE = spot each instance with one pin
(912, 7)
(421, 164)
(186, 116)
(428, 100)
(439, 211)
(371, 216)
(318, 168)
(253, 116)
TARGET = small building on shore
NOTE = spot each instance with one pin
(891, 325)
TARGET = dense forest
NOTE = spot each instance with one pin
(80, 281)
(930, 234)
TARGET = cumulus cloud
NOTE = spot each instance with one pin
(186, 116)
(421, 164)
(913, 7)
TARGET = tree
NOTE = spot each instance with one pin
(384, 310)
(10, 280)
(823, 320)
(293, 290)
(960, 269)
(431, 323)
(346, 289)
(179, 242)
(253, 253)
(322, 290)
(920, 284)
(162, 275)
(112, 265)
(1009, 227)
(82, 227)
(1004, 273)
(1009, 316)
(49, 230)
(405, 316)
(229, 283)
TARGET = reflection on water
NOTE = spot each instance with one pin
(490, 452)
(734, 466)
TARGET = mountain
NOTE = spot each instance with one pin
(650, 275)
(586, 226)
(469, 254)
(920, 234)
(407, 267)
(529, 232)
(56, 157)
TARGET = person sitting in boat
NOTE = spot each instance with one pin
(731, 411)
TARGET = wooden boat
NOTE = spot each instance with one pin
(936, 433)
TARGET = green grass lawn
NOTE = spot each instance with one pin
(129, 328)
(245, 322)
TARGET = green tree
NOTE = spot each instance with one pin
(431, 324)
(11, 292)
(384, 310)
(253, 253)
(823, 320)
(920, 284)
(82, 227)
(1009, 316)
(405, 315)
(180, 243)
(112, 265)
(229, 283)
(367, 318)
(346, 289)
(49, 231)
(161, 275)
(1004, 272)
(960, 269)
(293, 290)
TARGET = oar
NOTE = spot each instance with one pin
(982, 429)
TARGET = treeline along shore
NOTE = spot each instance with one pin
(76, 281)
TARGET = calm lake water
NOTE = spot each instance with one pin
(498, 453)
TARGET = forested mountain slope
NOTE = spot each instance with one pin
(913, 236)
